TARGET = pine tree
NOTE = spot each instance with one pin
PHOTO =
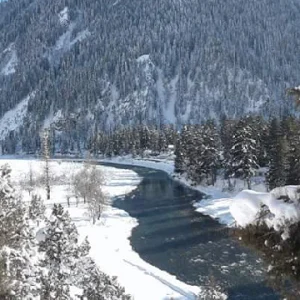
(277, 155)
(46, 158)
(260, 131)
(179, 164)
(226, 134)
(190, 140)
(62, 253)
(17, 270)
(291, 128)
(243, 156)
(97, 285)
(36, 209)
(210, 152)
(162, 142)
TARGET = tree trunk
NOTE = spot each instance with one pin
(48, 192)
(249, 183)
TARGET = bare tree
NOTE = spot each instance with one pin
(46, 158)
(88, 185)
(29, 182)
(96, 198)
(80, 184)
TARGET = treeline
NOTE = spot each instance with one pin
(237, 148)
(133, 140)
(230, 149)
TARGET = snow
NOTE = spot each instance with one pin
(117, 2)
(247, 205)
(237, 206)
(64, 16)
(110, 246)
(169, 109)
(144, 58)
(9, 68)
(64, 41)
(218, 208)
(14, 118)
(162, 165)
(80, 37)
(291, 191)
(52, 118)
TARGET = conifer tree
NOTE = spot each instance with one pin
(226, 134)
(46, 158)
(97, 285)
(291, 129)
(243, 156)
(210, 152)
(36, 209)
(17, 269)
(194, 150)
(260, 131)
(62, 253)
(277, 155)
(179, 165)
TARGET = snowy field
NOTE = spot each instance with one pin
(110, 247)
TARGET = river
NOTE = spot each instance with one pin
(193, 247)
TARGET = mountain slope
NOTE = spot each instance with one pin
(94, 65)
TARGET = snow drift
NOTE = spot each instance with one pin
(250, 207)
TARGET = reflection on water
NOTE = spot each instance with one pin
(191, 246)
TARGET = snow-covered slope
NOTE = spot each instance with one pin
(9, 68)
(8, 60)
(14, 118)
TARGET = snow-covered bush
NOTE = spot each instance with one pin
(272, 226)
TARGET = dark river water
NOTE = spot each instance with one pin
(189, 245)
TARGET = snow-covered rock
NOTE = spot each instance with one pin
(246, 208)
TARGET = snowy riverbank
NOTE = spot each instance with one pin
(217, 202)
(239, 206)
(110, 246)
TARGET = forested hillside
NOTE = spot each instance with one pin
(82, 66)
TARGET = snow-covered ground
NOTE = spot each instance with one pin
(110, 247)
